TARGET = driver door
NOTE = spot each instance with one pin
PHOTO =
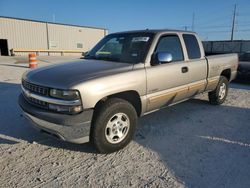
(167, 83)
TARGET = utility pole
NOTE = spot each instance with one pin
(233, 24)
(193, 21)
(47, 32)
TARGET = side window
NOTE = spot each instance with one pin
(192, 46)
(172, 45)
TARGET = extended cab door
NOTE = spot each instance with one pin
(197, 64)
(167, 83)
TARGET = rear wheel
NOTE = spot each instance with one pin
(219, 95)
(113, 125)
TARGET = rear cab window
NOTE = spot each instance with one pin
(192, 46)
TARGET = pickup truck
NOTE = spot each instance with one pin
(125, 76)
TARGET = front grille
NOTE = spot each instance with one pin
(37, 102)
(40, 90)
(35, 88)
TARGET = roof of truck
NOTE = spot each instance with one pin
(157, 31)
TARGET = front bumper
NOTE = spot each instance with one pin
(71, 128)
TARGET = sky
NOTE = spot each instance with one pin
(211, 19)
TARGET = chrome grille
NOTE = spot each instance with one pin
(37, 102)
(40, 90)
(35, 88)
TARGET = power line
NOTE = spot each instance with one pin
(243, 30)
(225, 31)
(243, 23)
(221, 25)
(215, 20)
(217, 31)
(208, 12)
(214, 26)
(244, 15)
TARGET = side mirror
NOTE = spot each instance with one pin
(161, 58)
(164, 57)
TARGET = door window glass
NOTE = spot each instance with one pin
(171, 44)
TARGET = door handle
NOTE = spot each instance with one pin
(184, 69)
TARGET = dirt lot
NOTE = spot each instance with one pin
(192, 144)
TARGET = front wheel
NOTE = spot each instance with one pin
(113, 126)
(219, 95)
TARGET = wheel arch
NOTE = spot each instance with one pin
(131, 96)
(226, 73)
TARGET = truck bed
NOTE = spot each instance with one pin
(218, 63)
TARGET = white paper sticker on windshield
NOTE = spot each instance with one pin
(140, 39)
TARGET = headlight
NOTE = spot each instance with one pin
(68, 96)
(64, 94)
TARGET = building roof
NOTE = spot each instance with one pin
(24, 19)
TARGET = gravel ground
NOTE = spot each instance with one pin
(192, 144)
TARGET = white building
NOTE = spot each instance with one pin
(16, 33)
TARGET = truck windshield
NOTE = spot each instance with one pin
(123, 47)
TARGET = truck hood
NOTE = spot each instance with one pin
(66, 75)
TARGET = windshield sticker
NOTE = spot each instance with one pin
(140, 39)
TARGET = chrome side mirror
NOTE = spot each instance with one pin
(164, 57)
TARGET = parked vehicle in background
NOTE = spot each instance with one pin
(244, 67)
(125, 76)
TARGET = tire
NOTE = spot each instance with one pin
(107, 134)
(217, 96)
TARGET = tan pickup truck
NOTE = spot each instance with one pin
(125, 76)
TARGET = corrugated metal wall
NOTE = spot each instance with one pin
(67, 37)
(28, 34)
(23, 34)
